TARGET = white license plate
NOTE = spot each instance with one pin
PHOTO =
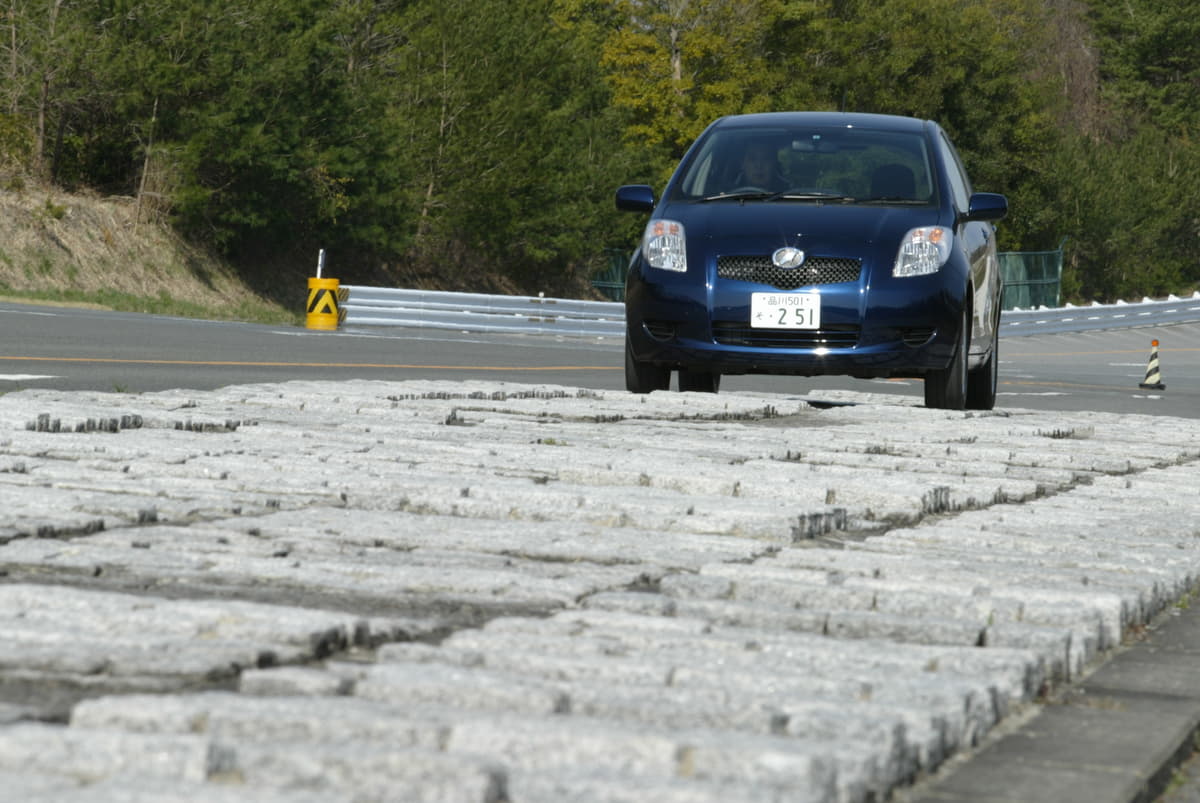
(785, 311)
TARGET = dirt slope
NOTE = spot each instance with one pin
(85, 245)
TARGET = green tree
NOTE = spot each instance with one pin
(1150, 59)
(511, 141)
(253, 108)
(444, 141)
(1129, 208)
(1126, 185)
(676, 65)
(43, 49)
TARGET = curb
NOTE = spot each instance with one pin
(1117, 737)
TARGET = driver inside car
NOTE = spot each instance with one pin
(760, 168)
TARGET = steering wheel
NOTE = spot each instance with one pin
(745, 188)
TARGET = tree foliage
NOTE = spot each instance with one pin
(476, 143)
(676, 65)
(507, 135)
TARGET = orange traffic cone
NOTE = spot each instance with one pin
(1153, 377)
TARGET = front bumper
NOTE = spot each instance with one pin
(869, 329)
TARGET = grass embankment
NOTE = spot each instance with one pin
(108, 253)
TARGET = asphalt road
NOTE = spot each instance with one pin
(67, 348)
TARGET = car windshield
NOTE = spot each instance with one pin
(825, 165)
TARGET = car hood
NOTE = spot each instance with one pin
(754, 227)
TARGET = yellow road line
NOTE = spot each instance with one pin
(252, 364)
(1027, 383)
(1004, 354)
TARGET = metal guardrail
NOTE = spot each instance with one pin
(1121, 315)
(475, 312)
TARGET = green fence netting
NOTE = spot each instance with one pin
(1031, 278)
(611, 281)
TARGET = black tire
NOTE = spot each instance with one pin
(981, 383)
(697, 381)
(946, 389)
(644, 377)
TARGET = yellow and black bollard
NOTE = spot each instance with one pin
(323, 296)
(322, 303)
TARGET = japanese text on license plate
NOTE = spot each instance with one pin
(785, 311)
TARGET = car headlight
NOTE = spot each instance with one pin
(923, 251)
(664, 247)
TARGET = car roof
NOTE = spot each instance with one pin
(890, 122)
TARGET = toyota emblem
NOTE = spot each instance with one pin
(787, 258)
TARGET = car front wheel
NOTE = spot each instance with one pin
(642, 376)
(946, 388)
(981, 383)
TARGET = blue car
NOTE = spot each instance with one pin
(814, 243)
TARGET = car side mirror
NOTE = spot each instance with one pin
(635, 198)
(986, 206)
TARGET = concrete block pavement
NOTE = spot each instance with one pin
(496, 592)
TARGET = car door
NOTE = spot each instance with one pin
(978, 240)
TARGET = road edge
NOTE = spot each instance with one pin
(1118, 736)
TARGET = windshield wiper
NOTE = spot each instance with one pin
(794, 195)
(785, 195)
(738, 196)
(801, 195)
(891, 199)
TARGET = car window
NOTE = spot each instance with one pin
(959, 184)
(862, 164)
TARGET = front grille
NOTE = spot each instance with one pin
(815, 270)
(739, 333)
